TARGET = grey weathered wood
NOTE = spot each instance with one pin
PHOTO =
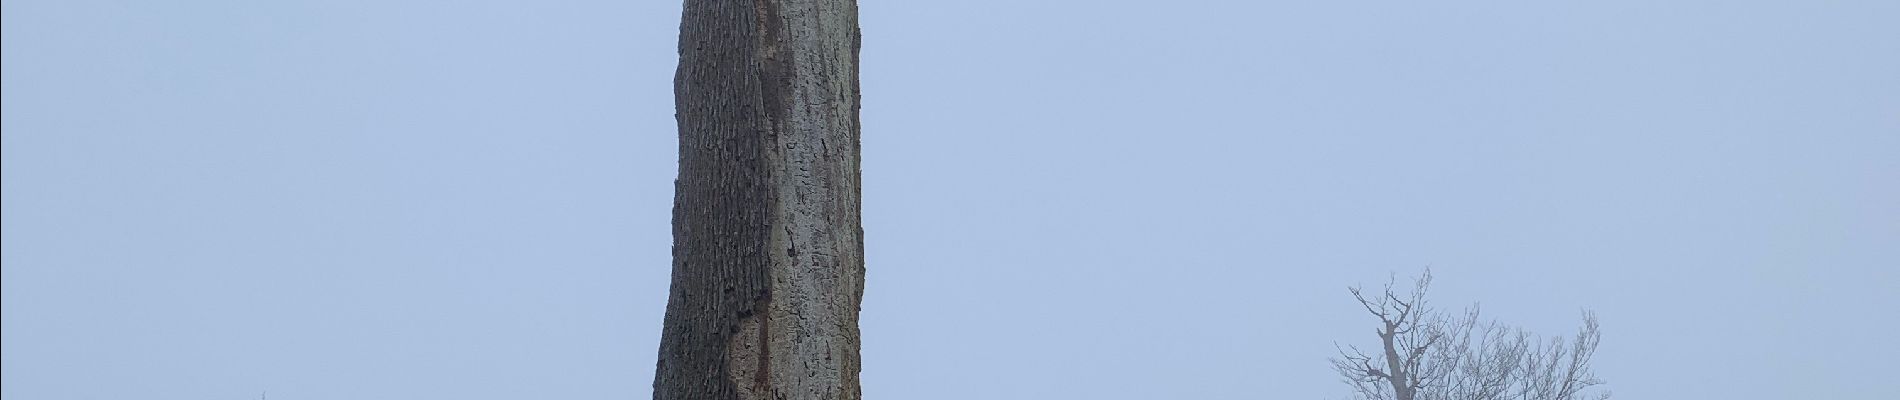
(768, 265)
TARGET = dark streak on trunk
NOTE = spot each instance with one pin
(722, 201)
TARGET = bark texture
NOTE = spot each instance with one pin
(768, 267)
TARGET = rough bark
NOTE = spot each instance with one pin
(768, 269)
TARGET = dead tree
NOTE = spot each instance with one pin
(1428, 355)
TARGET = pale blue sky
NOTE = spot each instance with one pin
(1063, 199)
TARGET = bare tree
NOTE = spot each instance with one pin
(1428, 355)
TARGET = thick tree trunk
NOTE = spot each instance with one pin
(768, 250)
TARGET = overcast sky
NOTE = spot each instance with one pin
(211, 200)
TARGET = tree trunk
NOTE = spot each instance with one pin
(768, 250)
(1397, 373)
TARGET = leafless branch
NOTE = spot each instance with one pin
(1428, 355)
